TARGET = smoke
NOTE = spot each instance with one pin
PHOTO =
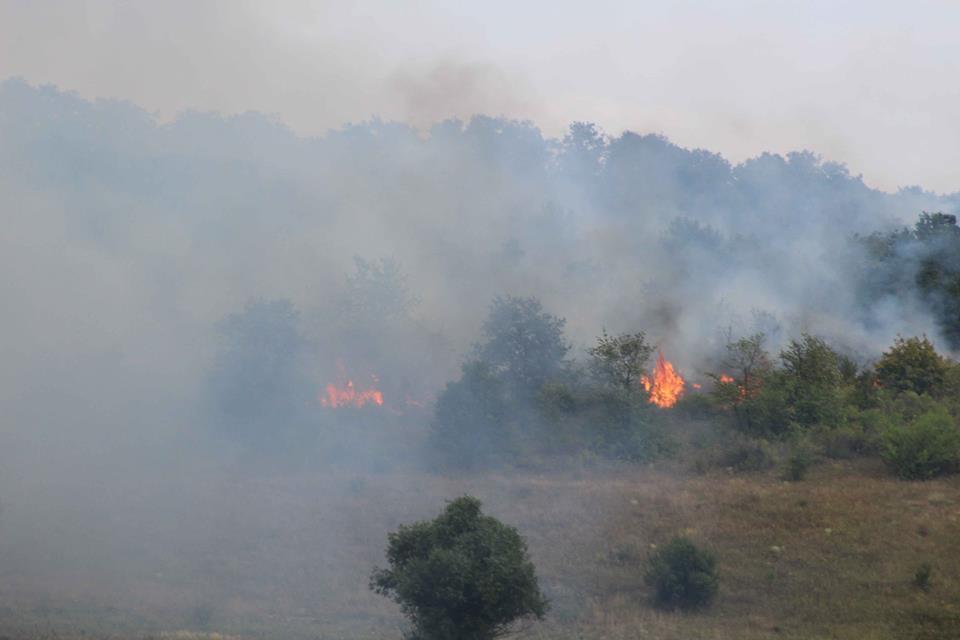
(150, 264)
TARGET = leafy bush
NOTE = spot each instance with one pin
(746, 454)
(927, 447)
(610, 421)
(811, 371)
(912, 364)
(682, 575)
(461, 576)
(802, 457)
(850, 441)
(921, 579)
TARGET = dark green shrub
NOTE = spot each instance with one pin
(682, 575)
(745, 454)
(927, 447)
(461, 576)
(470, 426)
(801, 458)
(921, 579)
(844, 443)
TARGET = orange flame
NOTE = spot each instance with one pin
(667, 385)
(728, 379)
(347, 394)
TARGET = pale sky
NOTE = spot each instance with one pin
(872, 83)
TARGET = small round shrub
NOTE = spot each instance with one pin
(682, 575)
(461, 576)
(927, 447)
(921, 578)
(743, 454)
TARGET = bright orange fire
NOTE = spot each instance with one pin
(667, 385)
(725, 379)
(346, 394)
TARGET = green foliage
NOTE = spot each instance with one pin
(812, 375)
(912, 364)
(470, 426)
(682, 575)
(522, 344)
(925, 448)
(748, 362)
(461, 576)
(802, 457)
(921, 578)
(620, 360)
(612, 422)
(766, 411)
(745, 454)
(859, 437)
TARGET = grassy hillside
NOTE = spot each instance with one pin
(832, 556)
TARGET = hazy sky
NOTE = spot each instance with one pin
(871, 83)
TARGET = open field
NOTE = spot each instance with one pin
(288, 557)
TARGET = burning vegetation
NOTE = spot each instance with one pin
(666, 386)
(346, 394)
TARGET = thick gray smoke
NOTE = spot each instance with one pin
(147, 263)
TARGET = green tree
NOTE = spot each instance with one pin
(523, 344)
(812, 372)
(912, 364)
(748, 362)
(461, 576)
(747, 372)
(620, 360)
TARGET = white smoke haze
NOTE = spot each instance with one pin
(133, 244)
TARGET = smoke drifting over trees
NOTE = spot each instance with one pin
(175, 289)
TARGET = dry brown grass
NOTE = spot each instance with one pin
(829, 557)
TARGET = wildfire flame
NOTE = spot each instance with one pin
(667, 385)
(728, 379)
(347, 394)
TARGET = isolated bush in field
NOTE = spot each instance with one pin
(925, 448)
(921, 578)
(461, 576)
(682, 575)
(912, 364)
